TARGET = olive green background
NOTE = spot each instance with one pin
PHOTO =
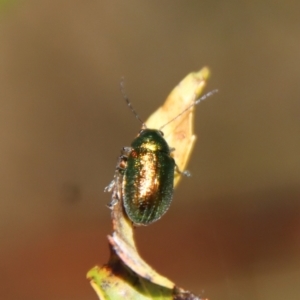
(233, 229)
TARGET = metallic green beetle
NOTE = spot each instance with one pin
(144, 177)
(147, 185)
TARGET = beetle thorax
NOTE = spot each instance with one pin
(152, 140)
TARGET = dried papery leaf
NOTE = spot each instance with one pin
(179, 133)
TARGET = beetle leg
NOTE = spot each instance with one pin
(115, 185)
(110, 187)
(126, 151)
(184, 173)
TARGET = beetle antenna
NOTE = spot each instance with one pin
(197, 101)
(128, 102)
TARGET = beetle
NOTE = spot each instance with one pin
(144, 175)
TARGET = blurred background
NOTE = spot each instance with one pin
(233, 230)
